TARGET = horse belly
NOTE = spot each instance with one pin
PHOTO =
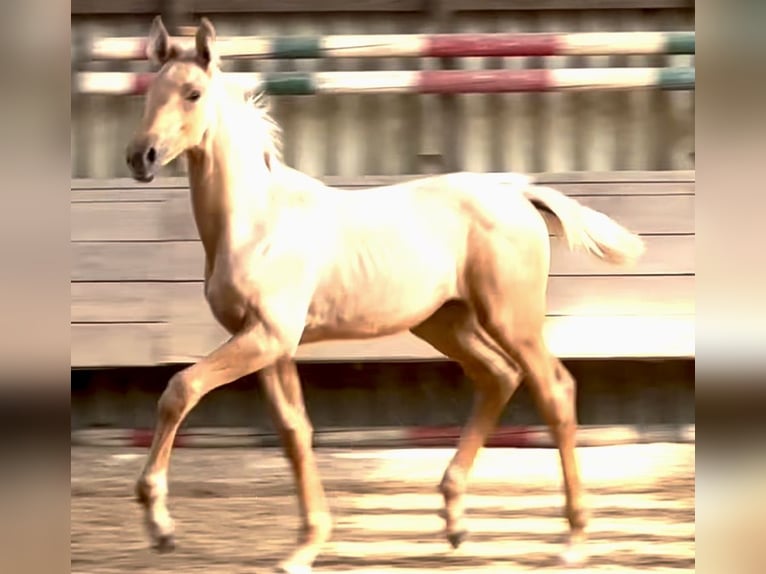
(367, 307)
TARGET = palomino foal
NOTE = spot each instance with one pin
(461, 260)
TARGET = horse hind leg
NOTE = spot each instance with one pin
(558, 406)
(454, 331)
(553, 389)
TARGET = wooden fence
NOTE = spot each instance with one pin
(137, 296)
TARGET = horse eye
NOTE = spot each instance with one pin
(193, 96)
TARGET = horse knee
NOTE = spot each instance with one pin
(296, 431)
(559, 406)
(181, 394)
(564, 392)
(496, 380)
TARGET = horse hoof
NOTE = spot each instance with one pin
(292, 569)
(457, 538)
(165, 544)
(573, 556)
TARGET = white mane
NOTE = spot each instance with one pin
(260, 103)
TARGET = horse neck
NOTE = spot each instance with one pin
(229, 188)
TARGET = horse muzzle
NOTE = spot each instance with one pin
(143, 157)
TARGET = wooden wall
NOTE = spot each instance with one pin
(137, 295)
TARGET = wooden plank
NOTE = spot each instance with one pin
(122, 302)
(635, 176)
(304, 6)
(103, 7)
(130, 220)
(649, 214)
(573, 189)
(183, 303)
(623, 337)
(172, 220)
(608, 296)
(567, 337)
(540, 5)
(665, 255)
(151, 7)
(184, 260)
(130, 195)
(368, 180)
(112, 345)
(137, 261)
(577, 189)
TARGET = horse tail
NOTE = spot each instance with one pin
(586, 228)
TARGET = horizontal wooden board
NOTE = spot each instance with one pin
(152, 7)
(133, 220)
(194, 331)
(184, 260)
(123, 345)
(184, 303)
(137, 261)
(119, 194)
(127, 302)
(172, 219)
(502, 5)
(573, 189)
(650, 214)
(574, 177)
(665, 255)
(567, 337)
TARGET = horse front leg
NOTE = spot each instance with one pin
(241, 355)
(285, 400)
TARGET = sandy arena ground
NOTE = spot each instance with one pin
(235, 511)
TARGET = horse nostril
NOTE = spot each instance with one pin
(151, 155)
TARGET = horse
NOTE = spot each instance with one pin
(461, 260)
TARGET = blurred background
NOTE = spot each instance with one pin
(353, 135)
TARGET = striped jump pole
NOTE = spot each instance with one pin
(419, 82)
(417, 45)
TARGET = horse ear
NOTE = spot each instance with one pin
(158, 46)
(204, 42)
